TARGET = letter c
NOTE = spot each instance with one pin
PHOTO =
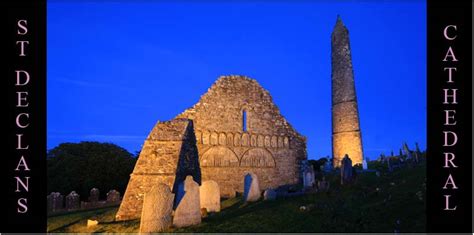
(446, 32)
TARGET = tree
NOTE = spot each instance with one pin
(82, 166)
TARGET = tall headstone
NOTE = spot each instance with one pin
(328, 165)
(188, 208)
(210, 196)
(389, 165)
(55, 202)
(364, 165)
(94, 195)
(417, 148)
(251, 187)
(308, 174)
(157, 209)
(346, 170)
(73, 201)
(346, 133)
(407, 151)
(308, 179)
(113, 196)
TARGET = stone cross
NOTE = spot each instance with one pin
(251, 187)
(188, 208)
(157, 209)
(210, 196)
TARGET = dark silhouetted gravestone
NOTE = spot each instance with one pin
(346, 170)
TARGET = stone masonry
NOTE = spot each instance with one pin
(239, 130)
(346, 135)
(236, 128)
(168, 156)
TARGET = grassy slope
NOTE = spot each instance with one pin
(355, 208)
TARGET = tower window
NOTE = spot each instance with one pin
(244, 121)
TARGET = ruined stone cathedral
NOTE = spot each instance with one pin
(235, 128)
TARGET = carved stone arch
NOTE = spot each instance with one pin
(219, 156)
(274, 142)
(214, 140)
(222, 139)
(286, 142)
(253, 140)
(260, 141)
(237, 139)
(257, 157)
(205, 138)
(280, 142)
(268, 143)
(245, 139)
(230, 139)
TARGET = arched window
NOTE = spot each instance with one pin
(244, 121)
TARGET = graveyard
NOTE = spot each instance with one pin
(378, 200)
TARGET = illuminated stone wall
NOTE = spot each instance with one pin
(346, 135)
(268, 146)
(224, 147)
(168, 155)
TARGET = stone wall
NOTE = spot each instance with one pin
(268, 146)
(168, 156)
(236, 128)
(346, 135)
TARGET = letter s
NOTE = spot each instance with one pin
(22, 203)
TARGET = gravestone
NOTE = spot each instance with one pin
(251, 187)
(364, 165)
(55, 202)
(407, 151)
(157, 209)
(389, 166)
(73, 201)
(323, 185)
(113, 196)
(328, 166)
(188, 209)
(269, 194)
(346, 170)
(308, 176)
(94, 195)
(417, 148)
(210, 196)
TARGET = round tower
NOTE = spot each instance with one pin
(346, 135)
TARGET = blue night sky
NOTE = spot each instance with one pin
(115, 68)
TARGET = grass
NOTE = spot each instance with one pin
(370, 204)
